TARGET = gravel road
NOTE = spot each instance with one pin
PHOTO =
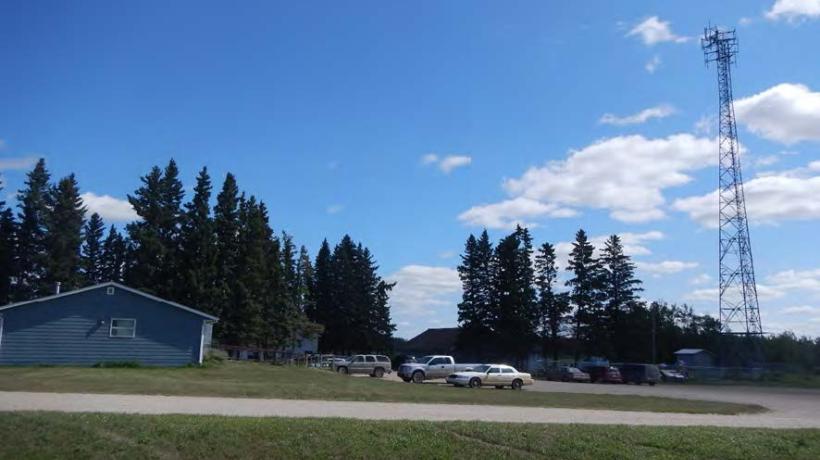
(142, 404)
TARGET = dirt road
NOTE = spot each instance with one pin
(141, 404)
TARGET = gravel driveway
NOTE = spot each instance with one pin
(142, 404)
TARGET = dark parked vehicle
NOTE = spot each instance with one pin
(671, 375)
(567, 374)
(640, 373)
(603, 374)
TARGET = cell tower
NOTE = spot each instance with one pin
(739, 311)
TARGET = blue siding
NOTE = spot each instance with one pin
(69, 330)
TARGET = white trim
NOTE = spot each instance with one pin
(117, 285)
(1, 331)
(133, 328)
(202, 342)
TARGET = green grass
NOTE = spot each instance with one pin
(806, 381)
(253, 380)
(106, 436)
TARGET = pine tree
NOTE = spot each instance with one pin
(290, 268)
(322, 296)
(197, 260)
(8, 236)
(476, 274)
(620, 288)
(226, 225)
(146, 252)
(553, 307)
(64, 237)
(32, 253)
(113, 256)
(92, 250)
(246, 321)
(585, 295)
(304, 283)
(515, 317)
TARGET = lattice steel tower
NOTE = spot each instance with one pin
(739, 311)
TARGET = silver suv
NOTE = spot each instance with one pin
(372, 365)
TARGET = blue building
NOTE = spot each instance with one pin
(104, 323)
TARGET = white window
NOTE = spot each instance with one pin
(110, 290)
(123, 327)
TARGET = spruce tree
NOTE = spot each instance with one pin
(620, 289)
(585, 295)
(8, 235)
(476, 274)
(322, 296)
(304, 283)
(113, 256)
(553, 307)
(290, 269)
(515, 316)
(32, 253)
(64, 237)
(92, 250)
(146, 251)
(197, 261)
(246, 319)
(226, 225)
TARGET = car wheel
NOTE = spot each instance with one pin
(406, 380)
(651, 384)
(378, 373)
(517, 384)
(418, 377)
(563, 379)
(475, 383)
(342, 370)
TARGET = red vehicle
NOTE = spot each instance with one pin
(604, 374)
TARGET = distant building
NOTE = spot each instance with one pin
(441, 341)
(108, 322)
(695, 357)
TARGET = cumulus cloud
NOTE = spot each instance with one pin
(448, 163)
(509, 213)
(17, 163)
(334, 209)
(109, 208)
(795, 280)
(652, 65)
(423, 290)
(660, 111)
(701, 279)
(625, 175)
(666, 267)
(794, 10)
(770, 198)
(786, 113)
(652, 31)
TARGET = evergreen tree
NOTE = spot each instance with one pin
(32, 253)
(197, 261)
(304, 283)
(322, 308)
(247, 320)
(620, 288)
(64, 235)
(515, 317)
(8, 236)
(290, 270)
(113, 256)
(92, 250)
(475, 309)
(553, 307)
(226, 225)
(585, 295)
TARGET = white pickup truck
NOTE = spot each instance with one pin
(431, 367)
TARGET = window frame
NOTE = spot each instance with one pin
(133, 328)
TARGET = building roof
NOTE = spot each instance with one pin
(691, 351)
(441, 339)
(118, 286)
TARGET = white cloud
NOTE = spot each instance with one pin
(653, 31)
(634, 244)
(705, 125)
(794, 10)
(2, 144)
(625, 175)
(423, 290)
(745, 21)
(109, 208)
(795, 280)
(18, 163)
(652, 65)
(334, 209)
(768, 160)
(446, 254)
(660, 111)
(786, 113)
(666, 267)
(770, 198)
(801, 310)
(509, 213)
(700, 280)
(764, 293)
(447, 164)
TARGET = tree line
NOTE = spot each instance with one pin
(223, 259)
(515, 301)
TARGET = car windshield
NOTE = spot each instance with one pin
(426, 359)
(482, 368)
(573, 369)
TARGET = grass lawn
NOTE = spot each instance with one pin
(54, 435)
(806, 381)
(252, 380)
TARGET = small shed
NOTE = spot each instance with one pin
(107, 322)
(695, 357)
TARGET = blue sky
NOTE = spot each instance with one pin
(411, 124)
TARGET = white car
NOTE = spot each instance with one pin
(497, 375)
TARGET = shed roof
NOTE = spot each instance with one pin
(443, 339)
(691, 351)
(118, 286)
